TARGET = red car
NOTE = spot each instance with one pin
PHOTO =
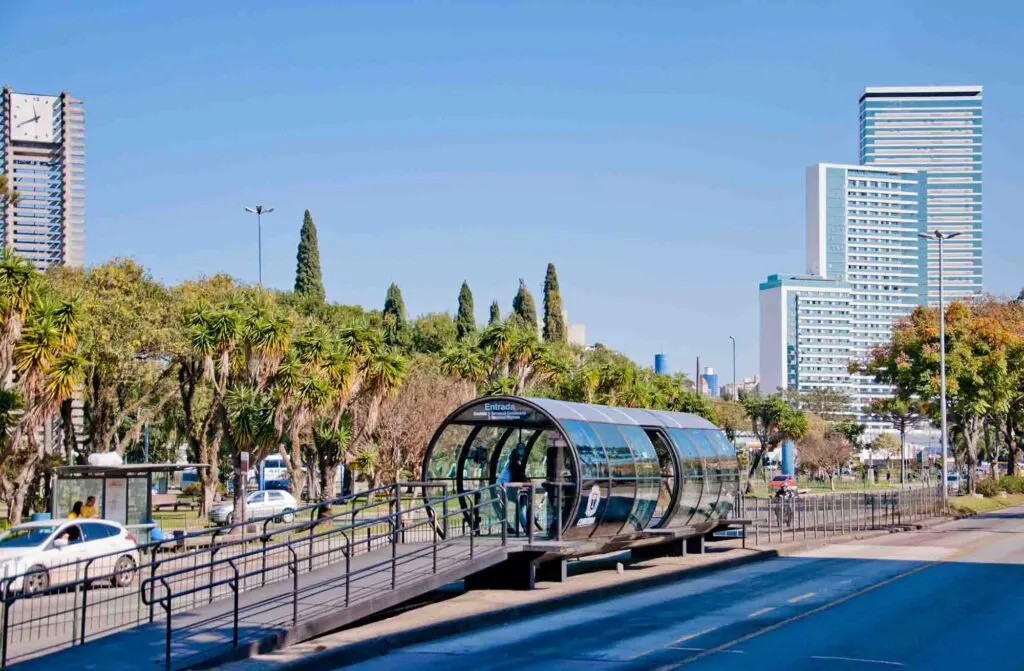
(783, 482)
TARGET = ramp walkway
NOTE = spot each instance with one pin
(314, 582)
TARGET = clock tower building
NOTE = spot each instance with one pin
(42, 152)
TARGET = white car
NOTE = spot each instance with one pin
(261, 504)
(52, 552)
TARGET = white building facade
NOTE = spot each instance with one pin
(938, 130)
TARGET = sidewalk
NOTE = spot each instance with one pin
(479, 609)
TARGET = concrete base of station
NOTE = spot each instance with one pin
(522, 571)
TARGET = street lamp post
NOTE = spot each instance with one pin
(938, 235)
(735, 389)
(259, 211)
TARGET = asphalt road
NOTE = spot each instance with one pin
(947, 598)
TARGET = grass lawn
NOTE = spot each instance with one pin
(974, 504)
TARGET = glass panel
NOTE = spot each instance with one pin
(68, 492)
(667, 482)
(728, 471)
(712, 476)
(478, 471)
(619, 509)
(648, 475)
(138, 497)
(444, 458)
(692, 485)
(593, 460)
(594, 483)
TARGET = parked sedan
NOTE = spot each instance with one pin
(48, 553)
(260, 504)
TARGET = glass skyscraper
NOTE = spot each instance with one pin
(920, 170)
(937, 129)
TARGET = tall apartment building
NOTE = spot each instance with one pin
(920, 153)
(937, 129)
(863, 261)
(42, 151)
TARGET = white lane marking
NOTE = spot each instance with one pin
(761, 611)
(802, 597)
(858, 661)
(689, 636)
(686, 649)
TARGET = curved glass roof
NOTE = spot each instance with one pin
(610, 415)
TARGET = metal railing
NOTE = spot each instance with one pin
(83, 599)
(781, 519)
(421, 539)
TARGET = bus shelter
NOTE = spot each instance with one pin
(593, 471)
(124, 493)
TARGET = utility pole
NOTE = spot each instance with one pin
(938, 235)
(735, 389)
(259, 211)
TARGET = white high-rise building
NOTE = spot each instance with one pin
(937, 129)
(42, 152)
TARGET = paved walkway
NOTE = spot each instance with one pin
(269, 612)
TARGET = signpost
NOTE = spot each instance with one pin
(243, 476)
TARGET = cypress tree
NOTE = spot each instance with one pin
(465, 321)
(308, 280)
(524, 307)
(495, 316)
(394, 307)
(554, 322)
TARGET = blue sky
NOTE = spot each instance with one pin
(655, 151)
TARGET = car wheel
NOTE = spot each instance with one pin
(36, 580)
(288, 516)
(124, 572)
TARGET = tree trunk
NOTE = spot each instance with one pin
(328, 482)
(970, 433)
(1012, 448)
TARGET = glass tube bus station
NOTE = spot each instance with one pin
(581, 478)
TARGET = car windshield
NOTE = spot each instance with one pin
(25, 537)
(780, 477)
(254, 497)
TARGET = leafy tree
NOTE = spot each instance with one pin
(330, 445)
(495, 314)
(128, 335)
(465, 320)
(823, 450)
(980, 349)
(41, 368)
(308, 279)
(554, 321)
(433, 333)
(772, 420)
(902, 413)
(888, 445)
(853, 432)
(524, 308)
(394, 306)
(730, 417)
(832, 405)
(8, 195)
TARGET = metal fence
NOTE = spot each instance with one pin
(83, 599)
(781, 519)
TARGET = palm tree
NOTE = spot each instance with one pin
(465, 361)
(498, 339)
(8, 196)
(383, 372)
(19, 285)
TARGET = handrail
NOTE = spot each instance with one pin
(389, 518)
(173, 592)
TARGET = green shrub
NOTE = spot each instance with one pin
(989, 488)
(1012, 484)
(192, 489)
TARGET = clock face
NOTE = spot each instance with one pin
(32, 117)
